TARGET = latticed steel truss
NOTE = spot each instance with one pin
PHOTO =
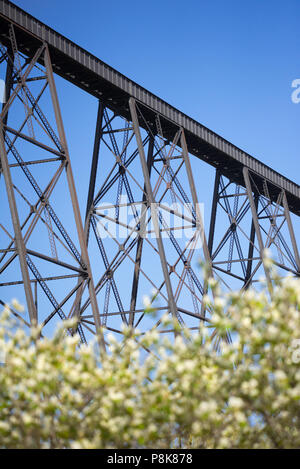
(143, 231)
(251, 223)
(34, 191)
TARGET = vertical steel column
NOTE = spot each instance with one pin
(256, 224)
(19, 241)
(212, 231)
(291, 230)
(90, 199)
(8, 80)
(36, 295)
(152, 204)
(213, 215)
(74, 199)
(8, 86)
(139, 248)
(97, 140)
(251, 248)
(199, 221)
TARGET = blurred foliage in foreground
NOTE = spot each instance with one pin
(245, 394)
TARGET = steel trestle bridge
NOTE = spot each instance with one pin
(144, 157)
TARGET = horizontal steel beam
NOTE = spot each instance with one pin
(99, 79)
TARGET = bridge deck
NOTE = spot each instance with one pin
(99, 79)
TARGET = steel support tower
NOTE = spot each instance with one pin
(143, 194)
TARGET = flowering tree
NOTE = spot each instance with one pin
(243, 394)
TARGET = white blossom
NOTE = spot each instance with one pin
(243, 393)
